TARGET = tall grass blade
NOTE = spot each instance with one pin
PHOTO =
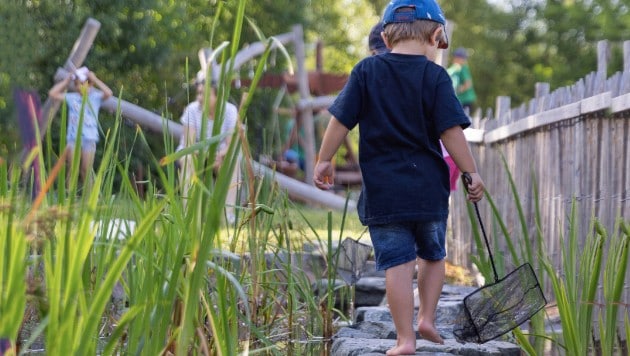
(527, 254)
(117, 336)
(516, 259)
(524, 342)
(13, 247)
(614, 279)
(570, 339)
(576, 306)
(104, 291)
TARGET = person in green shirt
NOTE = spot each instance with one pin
(459, 72)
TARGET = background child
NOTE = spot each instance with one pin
(73, 88)
(462, 80)
(375, 40)
(404, 104)
(192, 120)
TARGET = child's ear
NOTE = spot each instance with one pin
(385, 40)
(440, 38)
(436, 36)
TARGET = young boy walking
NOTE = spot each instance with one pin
(404, 104)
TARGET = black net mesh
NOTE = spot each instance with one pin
(352, 258)
(497, 308)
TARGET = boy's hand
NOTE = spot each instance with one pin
(324, 175)
(474, 186)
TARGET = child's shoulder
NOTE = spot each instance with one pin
(436, 69)
(367, 61)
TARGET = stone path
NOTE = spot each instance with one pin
(373, 331)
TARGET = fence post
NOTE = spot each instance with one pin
(542, 90)
(603, 55)
(305, 115)
(503, 109)
(626, 56)
(625, 76)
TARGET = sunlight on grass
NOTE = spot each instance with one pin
(318, 217)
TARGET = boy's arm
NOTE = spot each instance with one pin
(456, 145)
(107, 92)
(58, 90)
(333, 137)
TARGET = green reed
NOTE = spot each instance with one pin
(576, 290)
(613, 281)
(13, 244)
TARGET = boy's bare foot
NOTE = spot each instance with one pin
(428, 332)
(405, 349)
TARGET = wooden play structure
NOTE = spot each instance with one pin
(153, 122)
(316, 90)
(322, 87)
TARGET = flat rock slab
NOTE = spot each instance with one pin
(348, 346)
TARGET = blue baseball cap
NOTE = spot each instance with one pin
(401, 11)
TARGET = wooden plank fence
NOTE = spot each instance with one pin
(573, 143)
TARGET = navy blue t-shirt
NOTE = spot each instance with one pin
(402, 103)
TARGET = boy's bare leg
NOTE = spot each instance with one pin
(430, 283)
(87, 161)
(399, 290)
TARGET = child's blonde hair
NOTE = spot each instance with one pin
(420, 30)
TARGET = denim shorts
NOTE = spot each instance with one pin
(86, 145)
(398, 243)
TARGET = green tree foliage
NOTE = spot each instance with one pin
(515, 43)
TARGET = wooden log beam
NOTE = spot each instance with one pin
(305, 191)
(143, 117)
(77, 55)
(317, 103)
(258, 48)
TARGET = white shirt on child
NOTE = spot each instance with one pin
(192, 117)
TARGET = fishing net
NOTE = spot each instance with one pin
(351, 259)
(353, 256)
(498, 308)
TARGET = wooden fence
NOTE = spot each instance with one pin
(572, 143)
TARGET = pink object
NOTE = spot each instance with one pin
(452, 168)
(453, 172)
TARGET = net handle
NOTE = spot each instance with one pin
(467, 179)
